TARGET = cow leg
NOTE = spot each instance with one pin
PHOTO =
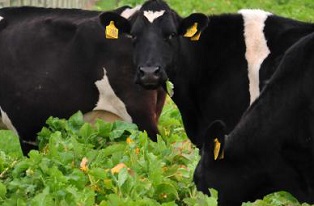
(5, 123)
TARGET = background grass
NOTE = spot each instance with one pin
(298, 9)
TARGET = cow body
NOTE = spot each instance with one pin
(272, 147)
(217, 76)
(57, 61)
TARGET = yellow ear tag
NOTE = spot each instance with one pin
(216, 148)
(111, 31)
(196, 37)
(190, 32)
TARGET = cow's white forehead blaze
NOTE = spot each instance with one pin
(152, 15)
(1, 18)
(256, 46)
(127, 13)
(109, 101)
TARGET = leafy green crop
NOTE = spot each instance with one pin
(106, 164)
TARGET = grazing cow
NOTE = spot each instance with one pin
(272, 147)
(217, 64)
(58, 61)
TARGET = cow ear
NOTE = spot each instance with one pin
(193, 25)
(215, 139)
(114, 24)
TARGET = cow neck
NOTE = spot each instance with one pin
(183, 76)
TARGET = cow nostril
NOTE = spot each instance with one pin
(157, 71)
(149, 72)
(141, 72)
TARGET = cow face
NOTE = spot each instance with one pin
(216, 171)
(155, 31)
(208, 170)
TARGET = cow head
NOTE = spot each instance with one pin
(212, 153)
(155, 31)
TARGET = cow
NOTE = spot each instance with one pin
(55, 62)
(218, 64)
(272, 147)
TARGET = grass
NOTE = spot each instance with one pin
(298, 9)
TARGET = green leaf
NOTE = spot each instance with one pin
(3, 190)
(103, 128)
(10, 144)
(116, 134)
(78, 179)
(281, 198)
(166, 192)
(76, 121)
(213, 193)
(110, 150)
(121, 125)
(121, 130)
(43, 199)
(122, 176)
(43, 137)
(20, 168)
(86, 131)
(98, 173)
(82, 197)
(170, 88)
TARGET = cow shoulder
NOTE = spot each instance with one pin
(61, 28)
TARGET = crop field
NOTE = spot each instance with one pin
(114, 163)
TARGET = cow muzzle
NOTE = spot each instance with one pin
(150, 77)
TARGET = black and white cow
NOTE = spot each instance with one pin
(272, 147)
(217, 76)
(57, 61)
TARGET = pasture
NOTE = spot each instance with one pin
(114, 163)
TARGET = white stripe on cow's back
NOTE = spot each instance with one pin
(127, 13)
(5, 120)
(152, 15)
(256, 46)
(109, 101)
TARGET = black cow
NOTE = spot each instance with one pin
(272, 147)
(217, 76)
(58, 61)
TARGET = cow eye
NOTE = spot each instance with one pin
(132, 36)
(129, 36)
(170, 36)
